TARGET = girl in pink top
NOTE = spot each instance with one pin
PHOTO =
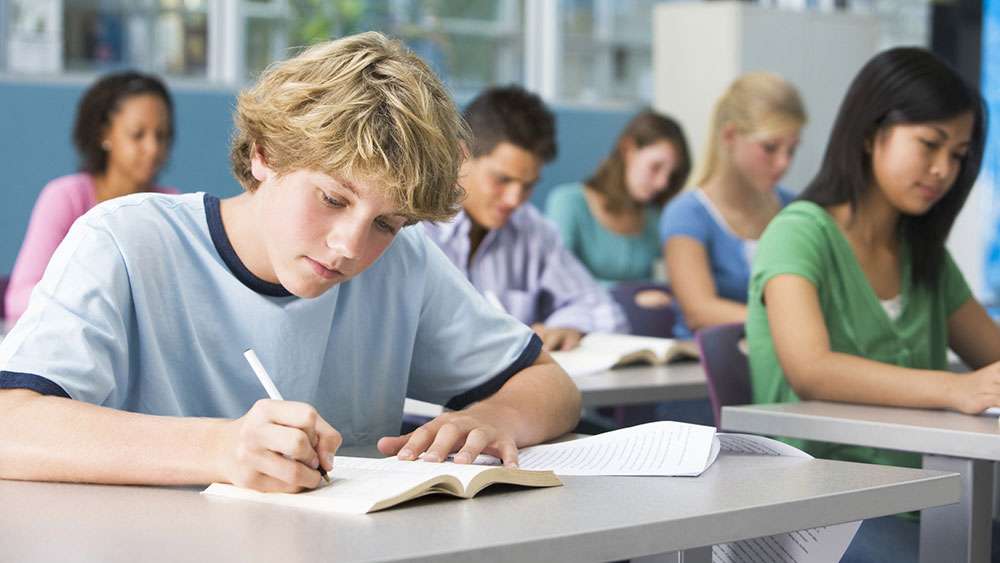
(123, 131)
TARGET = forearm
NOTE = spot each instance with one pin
(834, 376)
(539, 403)
(57, 439)
(712, 311)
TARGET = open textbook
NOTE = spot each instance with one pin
(362, 485)
(663, 448)
(599, 351)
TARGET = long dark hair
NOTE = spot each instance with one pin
(646, 128)
(906, 85)
(100, 102)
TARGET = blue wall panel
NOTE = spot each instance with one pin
(35, 121)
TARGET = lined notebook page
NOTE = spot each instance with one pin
(815, 545)
(663, 448)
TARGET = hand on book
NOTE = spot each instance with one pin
(277, 446)
(557, 338)
(466, 433)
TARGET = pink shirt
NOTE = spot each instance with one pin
(62, 200)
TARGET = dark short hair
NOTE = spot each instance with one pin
(100, 102)
(905, 85)
(513, 115)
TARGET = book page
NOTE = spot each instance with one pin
(624, 344)
(358, 483)
(816, 545)
(756, 445)
(582, 362)
(663, 448)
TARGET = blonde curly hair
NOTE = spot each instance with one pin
(360, 105)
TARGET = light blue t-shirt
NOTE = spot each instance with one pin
(692, 214)
(146, 307)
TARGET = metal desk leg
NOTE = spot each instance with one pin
(959, 532)
(696, 555)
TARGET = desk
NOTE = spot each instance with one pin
(588, 519)
(949, 441)
(623, 386)
(643, 384)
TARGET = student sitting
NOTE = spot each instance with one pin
(128, 367)
(502, 243)
(610, 221)
(710, 233)
(123, 131)
(854, 297)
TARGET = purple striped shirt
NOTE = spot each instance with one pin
(535, 277)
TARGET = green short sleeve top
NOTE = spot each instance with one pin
(804, 240)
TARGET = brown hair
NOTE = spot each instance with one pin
(362, 104)
(646, 128)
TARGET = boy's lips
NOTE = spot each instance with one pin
(325, 272)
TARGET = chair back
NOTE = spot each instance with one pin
(643, 320)
(727, 368)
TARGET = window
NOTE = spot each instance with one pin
(606, 50)
(470, 44)
(163, 36)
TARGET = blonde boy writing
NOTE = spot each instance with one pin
(127, 366)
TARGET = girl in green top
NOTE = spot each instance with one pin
(609, 221)
(853, 296)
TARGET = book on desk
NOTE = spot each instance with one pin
(599, 352)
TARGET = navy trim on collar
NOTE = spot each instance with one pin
(36, 383)
(527, 357)
(213, 214)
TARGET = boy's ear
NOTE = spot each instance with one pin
(258, 165)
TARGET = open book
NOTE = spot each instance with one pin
(600, 351)
(361, 485)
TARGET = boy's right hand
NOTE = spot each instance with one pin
(277, 446)
(977, 391)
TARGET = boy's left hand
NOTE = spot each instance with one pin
(466, 433)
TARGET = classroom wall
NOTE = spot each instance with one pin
(35, 147)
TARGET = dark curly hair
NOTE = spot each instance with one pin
(513, 115)
(100, 102)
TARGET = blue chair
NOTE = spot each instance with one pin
(643, 320)
(727, 368)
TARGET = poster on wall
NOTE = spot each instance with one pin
(990, 174)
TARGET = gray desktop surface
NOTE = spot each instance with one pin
(643, 384)
(916, 430)
(588, 519)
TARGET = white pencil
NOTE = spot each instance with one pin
(272, 391)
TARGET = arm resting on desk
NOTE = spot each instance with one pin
(814, 371)
(271, 448)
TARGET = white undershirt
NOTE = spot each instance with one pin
(893, 307)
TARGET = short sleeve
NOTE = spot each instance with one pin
(792, 243)
(953, 285)
(685, 216)
(562, 208)
(74, 336)
(465, 348)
